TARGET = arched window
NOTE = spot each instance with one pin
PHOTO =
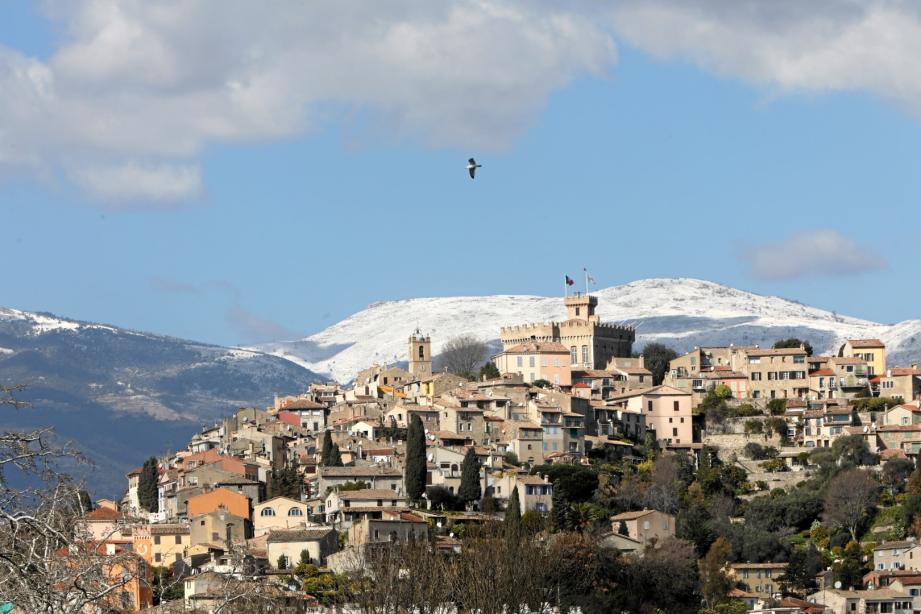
(421, 351)
(267, 511)
(295, 511)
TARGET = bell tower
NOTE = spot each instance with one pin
(420, 355)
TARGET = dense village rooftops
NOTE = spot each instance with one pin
(544, 347)
(866, 343)
(297, 535)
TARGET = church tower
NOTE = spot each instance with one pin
(420, 355)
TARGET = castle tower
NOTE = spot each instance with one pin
(420, 355)
(581, 307)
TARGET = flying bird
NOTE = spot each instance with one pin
(472, 166)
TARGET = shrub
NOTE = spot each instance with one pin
(774, 464)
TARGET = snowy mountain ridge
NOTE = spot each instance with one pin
(680, 312)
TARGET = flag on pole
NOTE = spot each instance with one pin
(591, 280)
(570, 281)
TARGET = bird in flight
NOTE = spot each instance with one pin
(472, 166)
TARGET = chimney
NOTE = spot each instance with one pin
(914, 365)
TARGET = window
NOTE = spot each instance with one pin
(295, 511)
(421, 351)
(179, 539)
(649, 405)
(157, 557)
(157, 539)
(531, 361)
(677, 405)
(799, 360)
(674, 432)
(267, 511)
(756, 377)
(573, 355)
(520, 361)
(585, 354)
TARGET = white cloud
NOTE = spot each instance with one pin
(129, 183)
(811, 254)
(820, 45)
(135, 90)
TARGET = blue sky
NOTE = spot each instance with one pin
(652, 162)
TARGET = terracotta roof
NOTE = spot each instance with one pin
(895, 544)
(866, 343)
(903, 371)
(103, 514)
(301, 404)
(136, 471)
(822, 372)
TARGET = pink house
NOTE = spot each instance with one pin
(667, 410)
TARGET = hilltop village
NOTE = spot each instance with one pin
(728, 479)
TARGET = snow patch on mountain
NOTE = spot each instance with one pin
(681, 312)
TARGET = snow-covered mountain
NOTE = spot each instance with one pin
(123, 395)
(682, 313)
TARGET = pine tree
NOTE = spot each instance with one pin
(561, 515)
(148, 496)
(335, 458)
(469, 490)
(327, 451)
(415, 470)
(513, 515)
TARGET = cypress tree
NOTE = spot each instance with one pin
(147, 486)
(561, 514)
(335, 458)
(513, 515)
(469, 490)
(327, 451)
(415, 470)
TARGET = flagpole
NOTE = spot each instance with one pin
(585, 270)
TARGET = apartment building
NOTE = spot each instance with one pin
(775, 373)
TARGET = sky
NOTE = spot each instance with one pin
(216, 172)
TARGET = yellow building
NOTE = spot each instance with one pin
(873, 351)
(161, 545)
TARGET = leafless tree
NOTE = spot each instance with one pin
(462, 355)
(849, 497)
(46, 564)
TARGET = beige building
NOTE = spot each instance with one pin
(776, 373)
(279, 513)
(161, 545)
(351, 505)
(215, 528)
(871, 351)
(591, 343)
(840, 601)
(465, 421)
(665, 409)
(897, 556)
(537, 360)
(645, 526)
(758, 578)
(319, 543)
(535, 493)
(393, 526)
(901, 383)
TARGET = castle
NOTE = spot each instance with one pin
(591, 343)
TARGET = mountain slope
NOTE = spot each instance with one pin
(682, 313)
(123, 395)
